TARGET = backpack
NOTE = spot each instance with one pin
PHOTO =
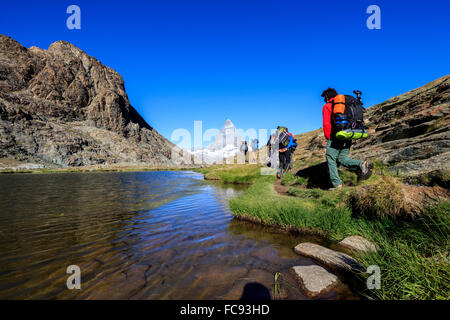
(255, 144)
(294, 145)
(283, 136)
(348, 117)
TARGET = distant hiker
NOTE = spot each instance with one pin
(272, 146)
(338, 150)
(253, 150)
(285, 141)
(244, 149)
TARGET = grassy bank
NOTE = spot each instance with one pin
(235, 173)
(413, 252)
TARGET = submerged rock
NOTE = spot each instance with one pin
(334, 260)
(314, 279)
(358, 243)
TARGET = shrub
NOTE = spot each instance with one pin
(385, 198)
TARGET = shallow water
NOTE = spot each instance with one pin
(137, 235)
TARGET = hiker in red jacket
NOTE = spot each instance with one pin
(338, 150)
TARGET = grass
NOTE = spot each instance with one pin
(413, 255)
(289, 179)
(384, 198)
(238, 174)
(314, 211)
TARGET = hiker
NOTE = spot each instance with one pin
(286, 142)
(337, 152)
(244, 149)
(272, 145)
(253, 150)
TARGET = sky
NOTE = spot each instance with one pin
(259, 63)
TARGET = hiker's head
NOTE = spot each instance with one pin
(329, 94)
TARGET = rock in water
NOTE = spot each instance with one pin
(358, 243)
(314, 280)
(63, 107)
(334, 260)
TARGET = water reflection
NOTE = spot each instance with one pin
(135, 235)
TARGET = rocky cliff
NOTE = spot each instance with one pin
(62, 107)
(409, 133)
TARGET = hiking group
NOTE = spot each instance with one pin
(342, 123)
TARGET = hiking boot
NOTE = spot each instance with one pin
(367, 170)
(279, 173)
(335, 188)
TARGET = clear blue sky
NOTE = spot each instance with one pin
(260, 63)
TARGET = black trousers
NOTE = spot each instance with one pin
(285, 159)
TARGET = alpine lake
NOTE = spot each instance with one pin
(139, 235)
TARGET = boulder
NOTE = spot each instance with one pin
(333, 260)
(314, 279)
(358, 243)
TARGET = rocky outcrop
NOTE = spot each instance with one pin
(331, 259)
(62, 107)
(389, 197)
(314, 279)
(409, 133)
(358, 243)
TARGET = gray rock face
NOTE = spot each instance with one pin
(333, 260)
(358, 243)
(63, 107)
(314, 280)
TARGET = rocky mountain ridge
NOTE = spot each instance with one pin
(61, 107)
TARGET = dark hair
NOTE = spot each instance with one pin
(329, 93)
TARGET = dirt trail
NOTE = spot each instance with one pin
(280, 189)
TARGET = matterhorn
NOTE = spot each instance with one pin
(226, 144)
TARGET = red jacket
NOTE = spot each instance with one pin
(326, 113)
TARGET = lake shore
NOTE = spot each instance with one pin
(8, 166)
(412, 243)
